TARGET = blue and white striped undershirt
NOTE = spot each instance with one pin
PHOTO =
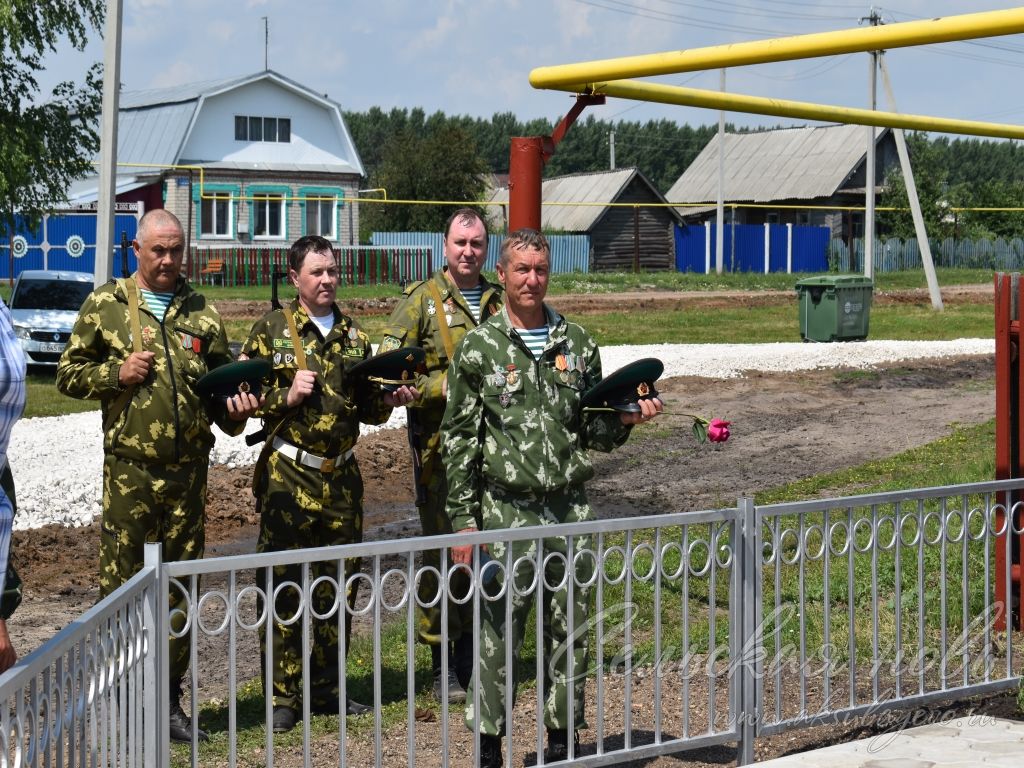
(535, 340)
(472, 297)
(12, 403)
(157, 302)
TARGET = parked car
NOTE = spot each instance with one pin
(44, 305)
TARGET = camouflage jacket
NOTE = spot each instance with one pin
(515, 422)
(415, 322)
(326, 423)
(165, 422)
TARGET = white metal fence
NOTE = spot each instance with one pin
(703, 628)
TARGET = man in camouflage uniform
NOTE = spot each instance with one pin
(435, 314)
(308, 485)
(157, 431)
(516, 451)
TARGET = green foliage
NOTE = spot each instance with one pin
(425, 160)
(661, 149)
(958, 173)
(44, 144)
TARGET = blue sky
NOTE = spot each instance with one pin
(474, 56)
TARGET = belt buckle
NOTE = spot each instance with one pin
(328, 465)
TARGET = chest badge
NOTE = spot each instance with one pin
(504, 399)
(512, 377)
(148, 335)
(431, 307)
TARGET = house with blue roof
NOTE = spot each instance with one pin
(256, 160)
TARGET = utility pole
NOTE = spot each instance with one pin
(611, 150)
(869, 180)
(266, 43)
(107, 195)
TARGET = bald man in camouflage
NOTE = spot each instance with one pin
(435, 314)
(157, 430)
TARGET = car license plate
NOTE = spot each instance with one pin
(51, 346)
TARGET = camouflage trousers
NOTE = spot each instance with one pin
(434, 520)
(153, 503)
(301, 507)
(502, 510)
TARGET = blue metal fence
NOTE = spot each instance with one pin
(744, 246)
(569, 253)
(894, 254)
(66, 241)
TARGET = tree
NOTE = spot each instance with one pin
(44, 145)
(436, 160)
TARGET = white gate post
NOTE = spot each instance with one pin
(767, 247)
(707, 247)
(789, 248)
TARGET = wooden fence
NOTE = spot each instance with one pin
(256, 265)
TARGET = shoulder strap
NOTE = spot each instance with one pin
(135, 324)
(446, 334)
(300, 353)
(134, 320)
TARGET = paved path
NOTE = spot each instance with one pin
(961, 743)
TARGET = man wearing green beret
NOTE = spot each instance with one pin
(307, 484)
(139, 346)
(435, 314)
(516, 442)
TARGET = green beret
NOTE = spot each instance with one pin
(621, 390)
(234, 378)
(392, 369)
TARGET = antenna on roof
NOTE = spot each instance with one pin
(266, 42)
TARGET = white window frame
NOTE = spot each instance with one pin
(265, 199)
(318, 202)
(205, 217)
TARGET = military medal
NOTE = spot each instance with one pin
(449, 306)
(448, 319)
(513, 374)
(561, 364)
(579, 364)
(353, 333)
(148, 335)
(431, 309)
(564, 376)
(499, 379)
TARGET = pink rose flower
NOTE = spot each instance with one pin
(715, 430)
(718, 431)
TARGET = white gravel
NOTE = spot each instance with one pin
(58, 461)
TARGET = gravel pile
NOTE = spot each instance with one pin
(58, 461)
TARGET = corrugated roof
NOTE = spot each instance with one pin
(784, 164)
(178, 93)
(153, 134)
(591, 190)
(153, 124)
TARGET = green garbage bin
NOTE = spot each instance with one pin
(834, 307)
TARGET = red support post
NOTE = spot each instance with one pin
(526, 163)
(1009, 576)
(527, 156)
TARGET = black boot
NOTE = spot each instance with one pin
(180, 723)
(445, 687)
(462, 658)
(558, 745)
(490, 752)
